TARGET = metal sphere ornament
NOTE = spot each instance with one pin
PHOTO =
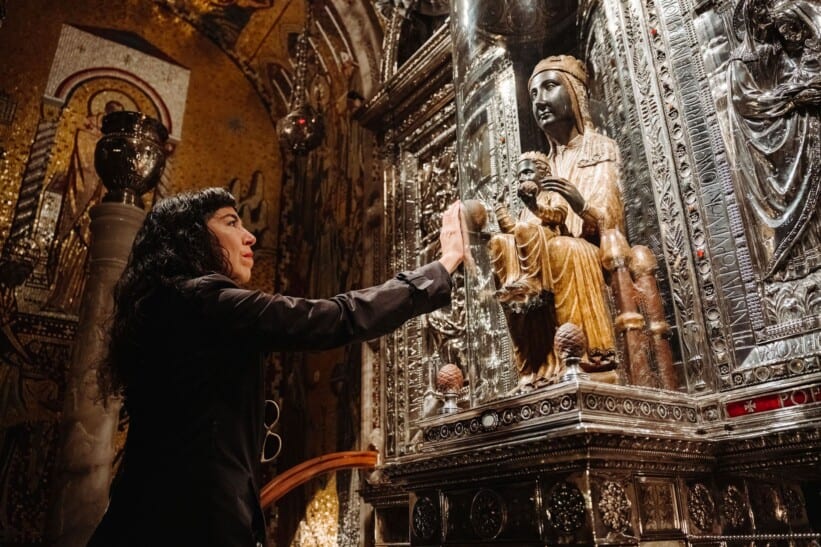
(301, 130)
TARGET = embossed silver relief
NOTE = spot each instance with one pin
(565, 508)
(658, 508)
(505, 417)
(419, 182)
(766, 505)
(796, 305)
(734, 507)
(793, 505)
(754, 52)
(613, 101)
(700, 506)
(646, 58)
(444, 329)
(514, 19)
(488, 139)
(774, 87)
(616, 114)
(614, 508)
(425, 518)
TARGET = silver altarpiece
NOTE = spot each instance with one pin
(715, 107)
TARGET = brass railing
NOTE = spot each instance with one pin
(305, 471)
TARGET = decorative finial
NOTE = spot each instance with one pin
(449, 381)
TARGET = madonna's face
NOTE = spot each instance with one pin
(236, 242)
(550, 100)
(791, 29)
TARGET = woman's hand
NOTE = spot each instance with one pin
(567, 190)
(450, 237)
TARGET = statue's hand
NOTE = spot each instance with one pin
(807, 97)
(567, 190)
(527, 192)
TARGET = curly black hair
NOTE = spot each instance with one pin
(173, 245)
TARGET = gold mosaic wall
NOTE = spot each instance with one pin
(227, 139)
(227, 132)
(239, 54)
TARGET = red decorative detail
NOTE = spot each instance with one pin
(654, 32)
(774, 401)
(700, 253)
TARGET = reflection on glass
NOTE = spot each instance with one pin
(495, 45)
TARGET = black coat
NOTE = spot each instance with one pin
(191, 470)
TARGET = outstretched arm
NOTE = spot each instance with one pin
(279, 322)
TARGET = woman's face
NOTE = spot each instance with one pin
(550, 100)
(793, 33)
(235, 241)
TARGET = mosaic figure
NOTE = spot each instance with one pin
(81, 189)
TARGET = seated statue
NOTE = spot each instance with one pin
(522, 274)
(553, 248)
(517, 257)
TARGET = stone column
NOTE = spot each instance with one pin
(84, 465)
(130, 157)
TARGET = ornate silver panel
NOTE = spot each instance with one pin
(748, 344)
(776, 259)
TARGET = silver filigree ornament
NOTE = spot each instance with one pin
(425, 519)
(701, 506)
(565, 508)
(793, 505)
(734, 507)
(614, 507)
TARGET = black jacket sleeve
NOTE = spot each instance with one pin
(276, 322)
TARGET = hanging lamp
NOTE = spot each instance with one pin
(302, 129)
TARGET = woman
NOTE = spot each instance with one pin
(187, 350)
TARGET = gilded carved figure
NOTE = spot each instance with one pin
(553, 248)
(518, 259)
(774, 87)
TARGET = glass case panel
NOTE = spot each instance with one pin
(495, 46)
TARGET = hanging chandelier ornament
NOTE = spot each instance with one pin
(302, 129)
